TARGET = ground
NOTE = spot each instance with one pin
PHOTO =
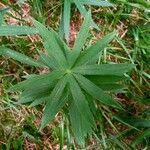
(19, 124)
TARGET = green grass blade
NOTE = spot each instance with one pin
(103, 69)
(96, 92)
(20, 57)
(55, 103)
(80, 41)
(141, 137)
(93, 50)
(53, 44)
(134, 122)
(97, 3)
(17, 30)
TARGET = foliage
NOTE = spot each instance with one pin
(68, 85)
(80, 4)
(115, 129)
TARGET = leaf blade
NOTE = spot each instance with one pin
(53, 44)
(93, 50)
(83, 12)
(80, 40)
(20, 57)
(77, 95)
(79, 103)
(66, 18)
(97, 3)
(103, 69)
(17, 30)
(38, 81)
(96, 92)
(141, 137)
(55, 103)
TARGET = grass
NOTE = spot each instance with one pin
(19, 124)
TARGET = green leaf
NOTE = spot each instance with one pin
(96, 92)
(82, 123)
(80, 126)
(80, 41)
(17, 30)
(38, 81)
(103, 69)
(36, 92)
(55, 103)
(79, 99)
(117, 88)
(97, 3)
(20, 57)
(3, 11)
(66, 18)
(53, 44)
(39, 101)
(26, 97)
(93, 50)
(105, 79)
(141, 137)
(48, 61)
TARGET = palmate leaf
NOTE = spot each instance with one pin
(96, 92)
(20, 57)
(73, 85)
